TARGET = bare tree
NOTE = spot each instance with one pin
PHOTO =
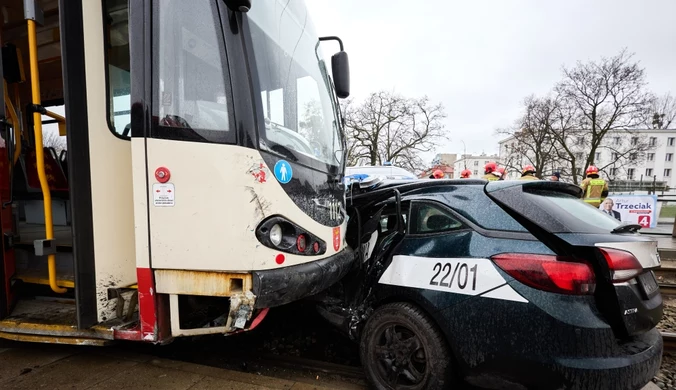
(662, 112)
(388, 127)
(601, 97)
(52, 139)
(533, 143)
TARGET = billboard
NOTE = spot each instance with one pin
(638, 209)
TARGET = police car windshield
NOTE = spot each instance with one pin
(390, 172)
(563, 213)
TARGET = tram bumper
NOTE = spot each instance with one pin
(284, 285)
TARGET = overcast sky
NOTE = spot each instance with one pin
(481, 58)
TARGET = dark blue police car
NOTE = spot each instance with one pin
(506, 284)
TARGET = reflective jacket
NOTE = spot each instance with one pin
(594, 190)
(529, 176)
(489, 177)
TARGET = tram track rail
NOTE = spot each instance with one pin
(669, 339)
(667, 289)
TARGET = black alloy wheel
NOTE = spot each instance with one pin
(401, 348)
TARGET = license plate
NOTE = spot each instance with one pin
(648, 283)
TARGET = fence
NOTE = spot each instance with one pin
(629, 186)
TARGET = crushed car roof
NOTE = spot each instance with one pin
(380, 190)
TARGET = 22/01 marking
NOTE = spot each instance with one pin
(461, 269)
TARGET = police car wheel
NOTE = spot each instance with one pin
(402, 348)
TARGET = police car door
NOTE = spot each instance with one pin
(435, 254)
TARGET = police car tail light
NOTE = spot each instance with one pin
(623, 265)
(548, 273)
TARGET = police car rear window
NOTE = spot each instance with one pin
(472, 203)
(559, 212)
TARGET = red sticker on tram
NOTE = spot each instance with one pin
(336, 238)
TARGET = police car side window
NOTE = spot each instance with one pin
(427, 218)
(388, 220)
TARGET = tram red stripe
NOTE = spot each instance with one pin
(259, 318)
(146, 304)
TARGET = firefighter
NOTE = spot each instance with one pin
(465, 174)
(500, 173)
(489, 168)
(594, 188)
(437, 174)
(528, 173)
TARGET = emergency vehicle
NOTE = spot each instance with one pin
(201, 183)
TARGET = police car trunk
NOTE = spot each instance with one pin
(626, 290)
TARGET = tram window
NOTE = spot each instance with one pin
(116, 34)
(298, 107)
(192, 96)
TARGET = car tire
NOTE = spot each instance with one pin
(402, 348)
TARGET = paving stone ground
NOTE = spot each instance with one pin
(36, 366)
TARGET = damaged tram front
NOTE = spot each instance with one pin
(200, 180)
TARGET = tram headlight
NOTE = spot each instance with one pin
(276, 234)
(280, 234)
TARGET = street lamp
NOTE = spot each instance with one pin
(464, 153)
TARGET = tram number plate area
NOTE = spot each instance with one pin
(469, 276)
(648, 284)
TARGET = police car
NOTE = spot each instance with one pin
(507, 284)
(386, 171)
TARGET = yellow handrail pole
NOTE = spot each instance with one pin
(55, 116)
(61, 121)
(15, 124)
(39, 152)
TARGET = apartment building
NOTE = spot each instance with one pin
(640, 155)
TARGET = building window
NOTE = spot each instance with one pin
(667, 172)
(616, 140)
(117, 74)
(579, 156)
(670, 141)
(630, 173)
(614, 156)
(613, 171)
(578, 171)
(476, 164)
(597, 157)
(653, 141)
(649, 172)
(476, 172)
(634, 140)
(580, 140)
(651, 156)
(669, 157)
(632, 157)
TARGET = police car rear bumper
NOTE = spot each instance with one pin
(631, 370)
(284, 285)
(553, 343)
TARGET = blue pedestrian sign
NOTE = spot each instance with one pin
(283, 171)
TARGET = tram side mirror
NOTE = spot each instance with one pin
(239, 5)
(341, 74)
